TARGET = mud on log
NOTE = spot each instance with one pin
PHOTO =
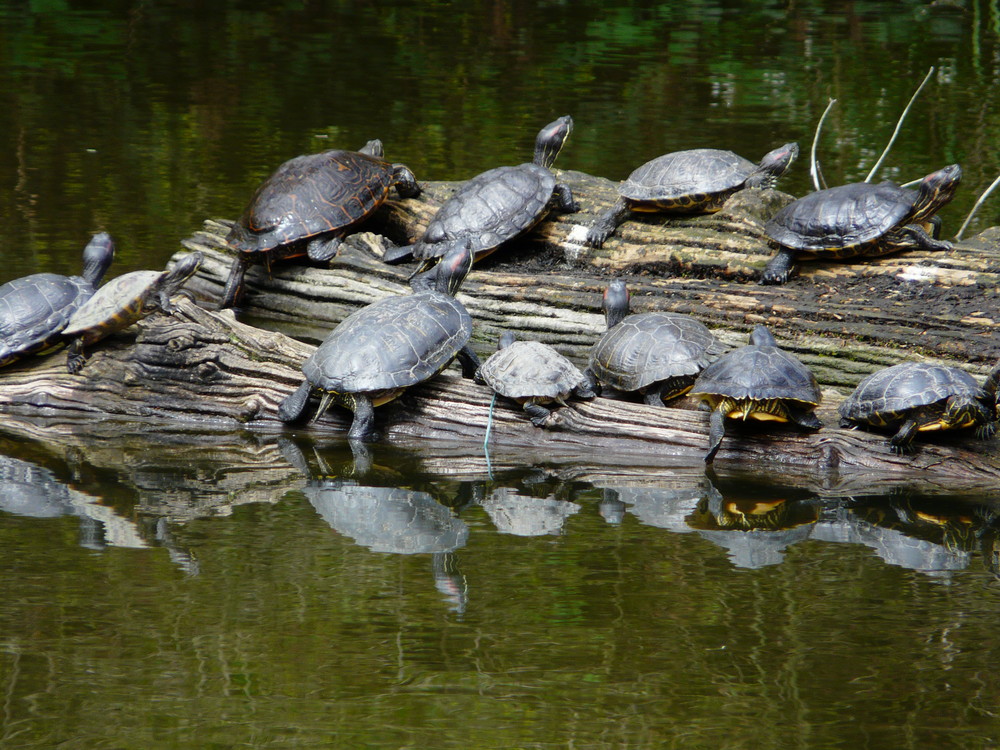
(207, 369)
(843, 320)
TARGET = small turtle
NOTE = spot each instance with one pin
(379, 351)
(689, 182)
(919, 397)
(759, 381)
(497, 205)
(858, 220)
(657, 354)
(532, 373)
(309, 205)
(123, 301)
(34, 310)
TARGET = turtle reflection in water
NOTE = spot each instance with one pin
(388, 519)
(523, 515)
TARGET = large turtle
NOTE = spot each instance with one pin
(760, 382)
(699, 180)
(657, 354)
(859, 219)
(917, 397)
(121, 302)
(497, 205)
(532, 373)
(35, 309)
(309, 205)
(379, 351)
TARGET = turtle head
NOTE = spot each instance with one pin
(936, 189)
(97, 256)
(454, 267)
(506, 339)
(183, 270)
(992, 385)
(772, 166)
(762, 337)
(616, 303)
(550, 140)
(373, 148)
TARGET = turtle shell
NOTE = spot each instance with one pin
(687, 178)
(35, 309)
(531, 370)
(114, 307)
(647, 348)
(393, 343)
(491, 208)
(841, 218)
(891, 394)
(759, 373)
(311, 195)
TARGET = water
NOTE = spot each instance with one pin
(182, 589)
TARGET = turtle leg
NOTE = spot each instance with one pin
(292, 408)
(363, 426)
(564, 198)
(324, 249)
(75, 358)
(804, 418)
(469, 361)
(592, 382)
(406, 183)
(397, 254)
(716, 431)
(902, 441)
(653, 395)
(538, 414)
(779, 268)
(911, 237)
(233, 292)
(607, 223)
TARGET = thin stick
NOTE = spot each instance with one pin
(899, 124)
(982, 198)
(814, 173)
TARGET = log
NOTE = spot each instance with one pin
(844, 320)
(206, 370)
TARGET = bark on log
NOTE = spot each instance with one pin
(843, 320)
(211, 371)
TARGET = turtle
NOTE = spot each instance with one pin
(35, 309)
(497, 205)
(379, 351)
(758, 381)
(532, 373)
(121, 302)
(917, 397)
(309, 205)
(695, 181)
(859, 220)
(657, 354)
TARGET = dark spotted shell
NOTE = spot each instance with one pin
(647, 348)
(530, 369)
(115, 306)
(34, 311)
(676, 176)
(311, 195)
(393, 343)
(891, 393)
(841, 217)
(491, 208)
(759, 373)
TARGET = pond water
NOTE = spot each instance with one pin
(175, 588)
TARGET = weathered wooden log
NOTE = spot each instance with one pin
(843, 319)
(209, 370)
